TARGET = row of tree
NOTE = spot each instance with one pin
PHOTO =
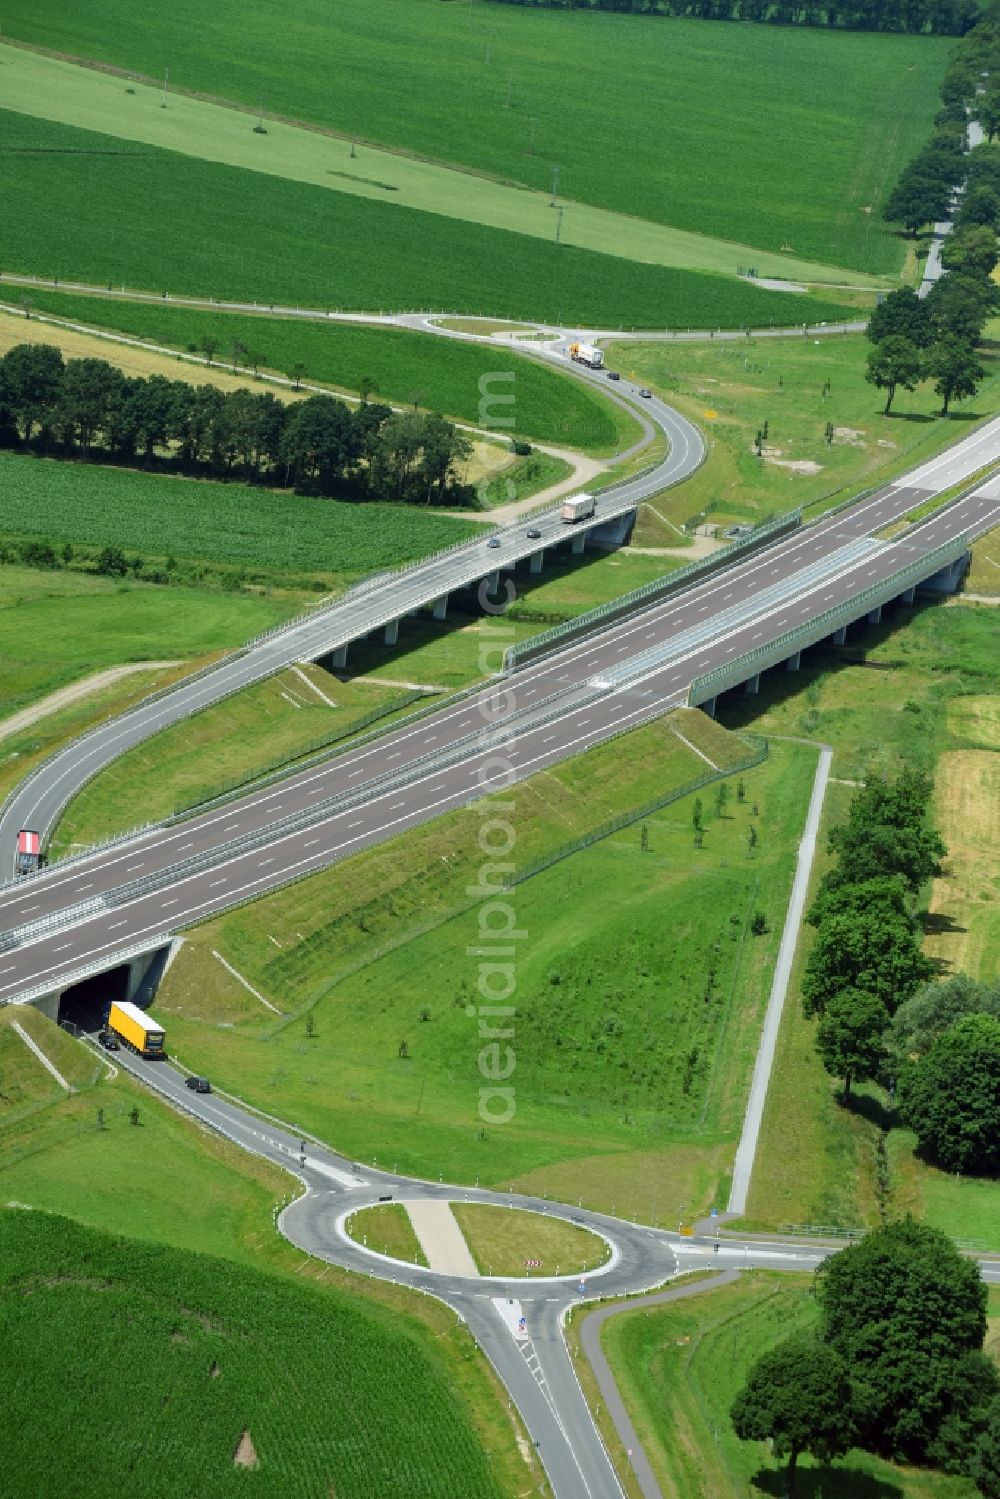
(937, 338)
(940, 17)
(895, 1366)
(87, 408)
(935, 1045)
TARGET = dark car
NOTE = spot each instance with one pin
(199, 1084)
(108, 1040)
(494, 541)
(613, 375)
(534, 534)
(647, 395)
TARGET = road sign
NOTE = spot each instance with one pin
(522, 1324)
(715, 1212)
(583, 1286)
(532, 1264)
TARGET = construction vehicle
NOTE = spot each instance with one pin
(577, 507)
(135, 1028)
(29, 852)
(587, 354)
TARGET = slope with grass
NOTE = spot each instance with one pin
(679, 1368)
(184, 225)
(840, 112)
(437, 374)
(313, 1392)
(629, 1089)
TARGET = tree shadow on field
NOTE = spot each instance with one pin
(825, 1482)
(937, 922)
(867, 1106)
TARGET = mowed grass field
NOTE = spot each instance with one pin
(202, 1381)
(926, 695)
(260, 533)
(679, 1368)
(438, 374)
(633, 119)
(796, 386)
(629, 1087)
(158, 220)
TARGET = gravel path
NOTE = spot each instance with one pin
(74, 692)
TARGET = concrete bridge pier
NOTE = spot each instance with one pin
(708, 706)
(794, 661)
(839, 636)
(391, 632)
(441, 607)
(579, 543)
(874, 616)
(145, 973)
(48, 1005)
(948, 578)
(908, 594)
(493, 582)
(340, 658)
(537, 558)
(751, 686)
(612, 532)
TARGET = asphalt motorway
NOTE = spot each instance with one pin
(534, 1363)
(168, 878)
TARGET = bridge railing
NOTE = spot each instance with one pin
(738, 670)
(692, 572)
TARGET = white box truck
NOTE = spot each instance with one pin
(587, 354)
(577, 507)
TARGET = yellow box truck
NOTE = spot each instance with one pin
(136, 1029)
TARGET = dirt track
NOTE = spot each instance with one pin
(73, 693)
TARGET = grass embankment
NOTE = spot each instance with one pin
(475, 87)
(225, 232)
(239, 534)
(25, 1084)
(984, 574)
(414, 369)
(731, 391)
(246, 735)
(503, 1241)
(312, 1391)
(926, 695)
(170, 1181)
(679, 1367)
(629, 1090)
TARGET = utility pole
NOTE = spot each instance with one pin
(166, 79)
(559, 214)
(555, 185)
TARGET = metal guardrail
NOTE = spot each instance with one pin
(733, 672)
(659, 588)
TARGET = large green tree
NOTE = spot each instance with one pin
(849, 1037)
(985, 1465)
(798, 1398)
(902, 314)
(907, 1313)
(954, 368)
(886, 834)
(894, 362)
(31, 377)
(951, 1097)
(933, 1009)
(876, 951)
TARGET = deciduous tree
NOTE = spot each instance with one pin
(849, 1037)
(951, 1097)
(798, 1398)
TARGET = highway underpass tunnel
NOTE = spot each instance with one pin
(86, 1005)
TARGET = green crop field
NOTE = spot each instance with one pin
(629, 1090)
(162, 221)
(435, 373)
(679, 1367)
(201, 1382)
(258, 532)
(631, 113)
